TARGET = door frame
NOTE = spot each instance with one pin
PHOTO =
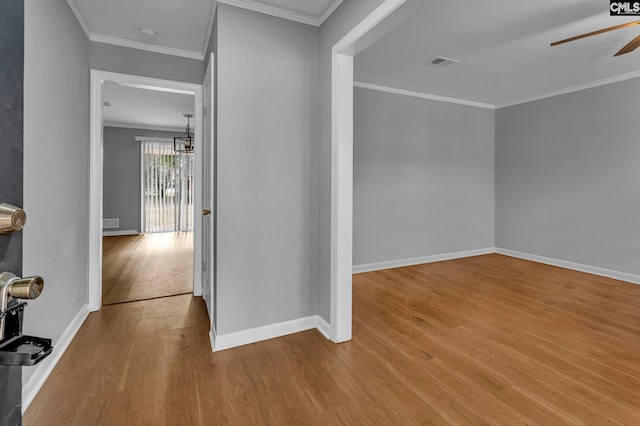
(342, 55)
(94, 269)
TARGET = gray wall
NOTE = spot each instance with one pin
(121, 183)
(423, 177)
(568, 177)
(107, 57)
(56, 135)
(267, 105)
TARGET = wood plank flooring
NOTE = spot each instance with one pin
(476, 341)
(138, 267)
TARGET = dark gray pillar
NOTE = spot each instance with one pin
(11, 106)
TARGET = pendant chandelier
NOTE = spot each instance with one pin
(184, 143)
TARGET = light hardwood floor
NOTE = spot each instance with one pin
(482, 340)
(138, 267)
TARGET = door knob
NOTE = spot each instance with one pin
(206, 212)
(21, 288)
(12, 218)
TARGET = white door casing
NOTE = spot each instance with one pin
(94, 271)
(208, 192)
(342, 167)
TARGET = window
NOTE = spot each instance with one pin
(167, 187)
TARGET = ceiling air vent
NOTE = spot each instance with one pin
(441, 62)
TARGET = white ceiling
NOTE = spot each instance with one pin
(183, 27)
(143, 108)
(503, 48)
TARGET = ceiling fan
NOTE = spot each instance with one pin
(630, 47)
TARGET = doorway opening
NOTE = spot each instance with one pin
(361, 36)
(156, 253)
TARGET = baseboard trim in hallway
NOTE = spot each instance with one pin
(43, 370)
(595, 270)
(271, 331)
(390, 264)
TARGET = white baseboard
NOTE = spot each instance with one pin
(123, 232)
(258, 334)
(323, 327)
(609, 273)
(378, 266)
(212, 336)
(42, 370)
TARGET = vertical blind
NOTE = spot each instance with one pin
(167, 188)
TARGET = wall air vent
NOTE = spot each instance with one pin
(441, 62)
(110, 223)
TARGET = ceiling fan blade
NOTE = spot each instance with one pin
(604, 30)
(630, 47)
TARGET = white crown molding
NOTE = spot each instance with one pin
(274, 11)
(378, 266)
(329, 11)
(576, 88)
(134, 44)
(79, 17)
(422, 95)
(44, 368)
(209, 29)
(143, 127)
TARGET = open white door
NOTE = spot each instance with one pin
(208, 205)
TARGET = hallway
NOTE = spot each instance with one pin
(139, 267)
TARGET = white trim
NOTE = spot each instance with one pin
(94, 267)
(421, 95)
(258, 334)
(42, 371)
(94, 272)
(367, 24)
(143, 127)
(152, 139)
(341, 244)
(134, 44)
(79, 17)
(118, 233)
(141, 181)
(323, 327)
(329, 11)
(212, 339)
(278, 12)
(595, 270)
(378, 266)
(212, 335)
(209, 29)
(576, 88)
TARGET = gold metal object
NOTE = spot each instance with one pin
(630, 47)
(27, 288)
(206, 212)
(12, 218)
(21, 288)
